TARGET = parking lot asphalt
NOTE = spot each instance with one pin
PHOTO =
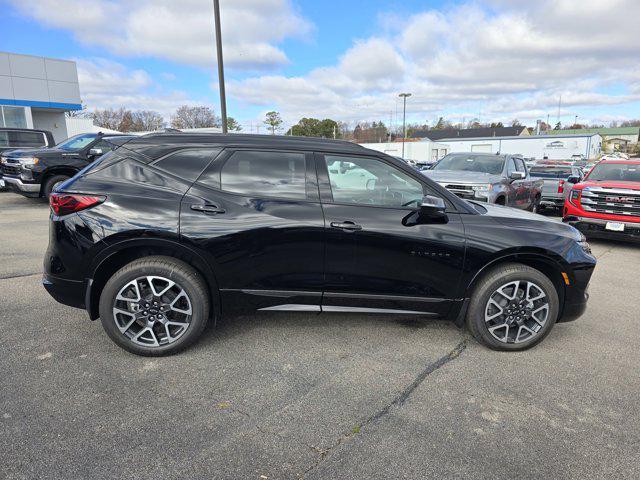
(313, 396)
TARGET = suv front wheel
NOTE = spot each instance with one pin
(513, 307)
(155, 306)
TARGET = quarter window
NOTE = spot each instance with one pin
(369, 181)
(26, 139)
(187, 164)
(265, 173)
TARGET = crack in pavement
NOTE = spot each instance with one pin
(20, 275)
(398, 401)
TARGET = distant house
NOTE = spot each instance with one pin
(622, 139)
(471, 133)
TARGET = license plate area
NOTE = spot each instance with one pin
(615, 226)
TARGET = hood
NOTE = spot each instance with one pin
(40, 153)
(521, 219)
(459, 176)
(610, 184)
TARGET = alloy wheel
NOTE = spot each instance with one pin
(516, 312)
(152, 311)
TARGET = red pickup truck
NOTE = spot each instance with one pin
(607, 202)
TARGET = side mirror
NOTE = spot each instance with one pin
(573, 179)
(95, 152)
(432, 207)
(517, 175)
(371, 184)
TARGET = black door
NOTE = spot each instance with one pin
(377, 257)
(257, 215)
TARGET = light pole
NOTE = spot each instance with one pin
(404, 119)
(223, 97)
(575, 122)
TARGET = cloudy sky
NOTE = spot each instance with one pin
(493, 59)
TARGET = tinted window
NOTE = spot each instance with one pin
(187, 164)
(369, 181)
(511, 166)
(273, 174)
(520, 165)
(26, 139)
(470, 162)
(4, 139)
(552, 171)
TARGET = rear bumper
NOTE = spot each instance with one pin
(596, 228)
(67, 292)
(29, 189)
(555, 202)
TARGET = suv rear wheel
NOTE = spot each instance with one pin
(155, 306)
(513, 307)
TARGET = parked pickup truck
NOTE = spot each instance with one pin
(500, 179)
(36, 172)
(12, 138)
(607, 202)
(557, 182)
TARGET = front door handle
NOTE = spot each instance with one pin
(207, 208)
(347, 225)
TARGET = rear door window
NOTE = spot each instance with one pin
(265, 174)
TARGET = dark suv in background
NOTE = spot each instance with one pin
(171, 231)
(36, 172)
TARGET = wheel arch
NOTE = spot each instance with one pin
(550, 264)
(117, 255)
(53, 171)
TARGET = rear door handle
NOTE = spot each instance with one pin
(347, 225)
(207, 208)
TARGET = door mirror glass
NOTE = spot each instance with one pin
(573, 179)
(517, 175)
(95, 152)
(432, 207)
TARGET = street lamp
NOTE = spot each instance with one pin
(404, 119)
(223, 97)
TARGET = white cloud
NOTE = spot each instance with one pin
(507, 59)
(181, 31)
(108, 84)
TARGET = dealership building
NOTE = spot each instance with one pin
(36, 92)
(552, 147)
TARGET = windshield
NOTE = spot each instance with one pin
(78, 142)
(625, 172)
(472, 163)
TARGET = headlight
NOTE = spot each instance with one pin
(574, 196)
(28, 162)
(3, 159)
(585, 246)
(483, 189)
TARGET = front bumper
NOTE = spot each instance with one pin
(596, 228)
(30, 189)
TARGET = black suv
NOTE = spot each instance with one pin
(36, 172)
(170, 231)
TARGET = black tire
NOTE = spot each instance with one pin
(488, 285)
(51, 183)
(172, 269)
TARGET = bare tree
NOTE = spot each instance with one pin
(108, 118)
(195, 117)
(147, 121)
(273, 121)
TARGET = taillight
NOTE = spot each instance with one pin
(66, 203)
(561, 186)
